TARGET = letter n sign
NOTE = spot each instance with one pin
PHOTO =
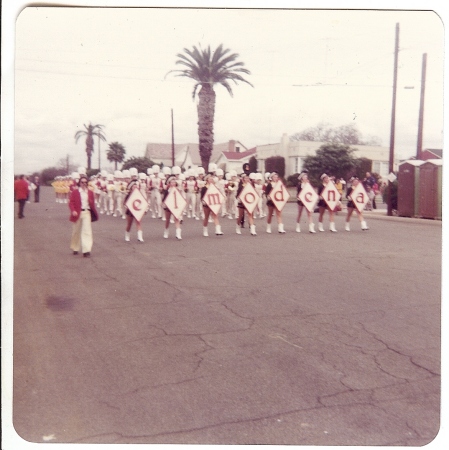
(331, 195)
(279, 195)
(175, 202)
(249, 197)
(359, 197)
(213, 198)
(308, 196)
(137, 204)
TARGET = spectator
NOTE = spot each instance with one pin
(21, 193)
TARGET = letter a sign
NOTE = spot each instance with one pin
(279, 195)
(137, 204)
(175, 202)
(331, 195)
(359, 197)
(249, 197)
(308, 196)
(213, 198)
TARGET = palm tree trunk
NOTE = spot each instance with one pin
(89, 149)
(206, 112)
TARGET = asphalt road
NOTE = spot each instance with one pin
(325, 339)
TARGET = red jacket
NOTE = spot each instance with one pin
(21, 189)
(75, 204)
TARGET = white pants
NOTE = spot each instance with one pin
(82, 233)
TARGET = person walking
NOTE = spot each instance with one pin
(36, 189)
(351, 206)
(323, 206)
(241, 207)
(302, 184)
(171, 185)
(210, 180)
(274, 178)
(21, 193)
(133, 184)
(82, 214)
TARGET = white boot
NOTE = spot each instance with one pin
(312, 228)
(178, 233)
(139, 235)
(347, 227)
(218, 231)
(205, 233)
(332, 227)
(298, 228)
(364, 225)
(268, 227)
(253, 230)
(281, 228)
(320, 226)
(166, 233)
(127, 236)
(237, 229)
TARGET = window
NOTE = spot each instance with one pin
(237, 149)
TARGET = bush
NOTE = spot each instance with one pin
(275, 164)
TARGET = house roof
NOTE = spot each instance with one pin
(237, 156)
(436, 151)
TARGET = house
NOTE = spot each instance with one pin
(188, 155)
(295, 153)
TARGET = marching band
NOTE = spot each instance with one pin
(173, 196)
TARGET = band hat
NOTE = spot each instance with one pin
(82, 170)
(322, 177)
(133, 172)
(75, 175)
(233, 173)
(142, 176)
(267, 175)
(161, 176)
(126, 173)
(176, 170)
(219, 172)
(149, 171)
(110, 177)
(166, 170)
(228, 176)
(182, 177)
(156, 168)
(104, 173)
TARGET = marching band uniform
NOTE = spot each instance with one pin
(103, 193)
(354, 182)
(120, 189)
(221, 183)
(271, 206)
(110, 192)
(191, 189)
(231, 197)
(200, 183)
(303, 180)
(258, 185)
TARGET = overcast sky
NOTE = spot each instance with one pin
(108, 66)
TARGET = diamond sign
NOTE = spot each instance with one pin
(213, 198)
(249, 197)
(175, 202)
(279, 195)
(137, 204)
(359, 197)
(331, 195)
(308, 196)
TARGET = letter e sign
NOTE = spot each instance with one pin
(308, 196)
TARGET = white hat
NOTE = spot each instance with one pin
(233, 173)
(228, 176)
(118, 174)
(201, 170)
(182, 176)
(176, 170)
(126, 173)
(161, 176)
(142, 176)
(149, 171)
(110, 177)
(267, 175)
(166, 170)
(219, 172)
(104, 173)
(259, 176)
(133, 172)
(252, 176)
(156, 168)
(212, 167)
(75, 175)
(82, 170)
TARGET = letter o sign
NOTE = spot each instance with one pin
(250, 195)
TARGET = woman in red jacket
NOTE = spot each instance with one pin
(21, 192)
(82, 214)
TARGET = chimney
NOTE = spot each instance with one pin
(231, 146)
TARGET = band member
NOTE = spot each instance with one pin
(241, 207)
(274, 178)
(220, 183)
(200, 183)
(351, 207)
(259, 187)
(103, 192)
(303, 181)
(210, 180)
(231, 190)
(322, 206)
(110, 194)
(191, 190)
(120, 191)
(133, 184)
(171, 184)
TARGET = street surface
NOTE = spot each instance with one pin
(324, 339)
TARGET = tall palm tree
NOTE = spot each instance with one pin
(90, 131)
(116, 153)
(207, 68)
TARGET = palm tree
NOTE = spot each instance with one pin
(207, 68)
(90, 131)
(116, 153)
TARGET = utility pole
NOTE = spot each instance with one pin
(99, 159)
(172, 141)
(421, 107)
(393, 121)
(68, 165)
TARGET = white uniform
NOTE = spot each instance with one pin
(155, 196)
(191, 197)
